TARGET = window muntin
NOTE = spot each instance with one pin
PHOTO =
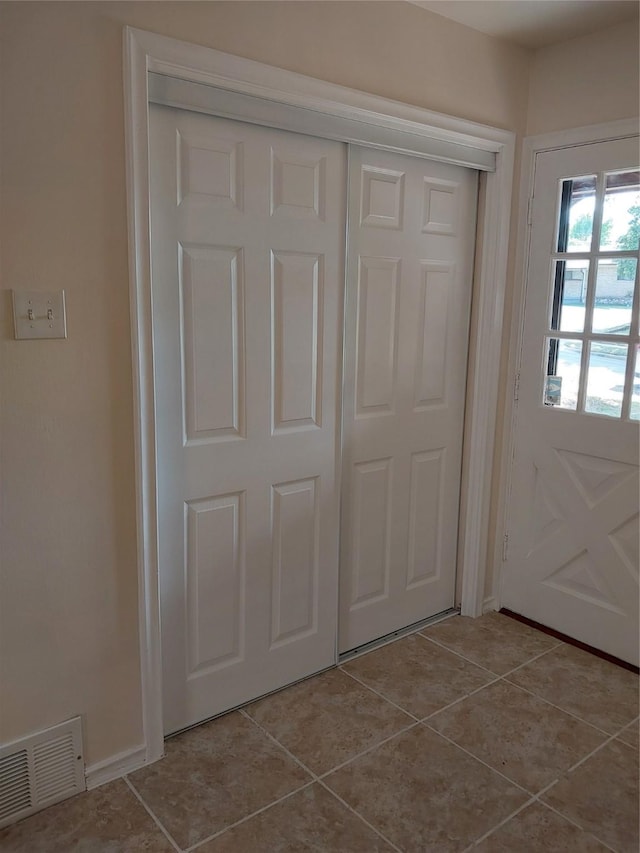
(634, 412)
(575, 228)
(591, 354)
(613, 299)
(621, 205)
(563, 384)
(605, 378)
(568, 313)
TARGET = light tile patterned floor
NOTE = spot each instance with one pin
(480, 735)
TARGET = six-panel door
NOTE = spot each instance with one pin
(247, 280)
(248, 272)
(409, 276)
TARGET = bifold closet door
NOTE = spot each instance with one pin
(247, 281)
(409, 276)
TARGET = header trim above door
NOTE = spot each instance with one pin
(204, 98)
(413, 129)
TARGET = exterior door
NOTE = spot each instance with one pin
(572, 558)
(409, 275)
(247, 229)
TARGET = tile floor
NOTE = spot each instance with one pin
(480, 735)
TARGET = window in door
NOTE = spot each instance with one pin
(592, 343)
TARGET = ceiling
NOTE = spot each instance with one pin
(534, 23)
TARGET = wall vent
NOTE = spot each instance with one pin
(40, 770)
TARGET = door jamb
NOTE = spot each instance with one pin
(531, 147)
(144, 52)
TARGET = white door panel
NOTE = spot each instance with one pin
(573, 520)
(248, 230)
(248, 263)
(409, 271)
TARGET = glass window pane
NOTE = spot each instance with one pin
(613, 297)
(570, 293)
(605, 378)
(576, 214)
(634, 413)
(621, 212)
(626, 271)
(563, 373)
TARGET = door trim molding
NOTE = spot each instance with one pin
(358, 128)
(531, 147)
(147, 52)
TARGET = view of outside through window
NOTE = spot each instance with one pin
(593, 297)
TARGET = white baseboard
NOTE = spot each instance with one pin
(116, 766)
(489, 604)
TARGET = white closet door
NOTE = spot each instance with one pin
(411, 241)
(247, 230)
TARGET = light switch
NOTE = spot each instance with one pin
(39, 314)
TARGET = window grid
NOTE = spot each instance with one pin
(585, 339)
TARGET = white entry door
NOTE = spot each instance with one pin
(572, 560)
(247, 282)
(409, 276)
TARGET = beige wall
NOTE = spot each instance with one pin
(585, 81)
(68, 641)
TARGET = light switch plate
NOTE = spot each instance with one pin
(39, 314)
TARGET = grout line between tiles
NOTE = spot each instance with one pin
(475, 757)
(248, 817)
(461, 699)
(575, 823)
(517, 811)
(319, 777)
(481, 666)
(535, 798)
(627, 728)
(359, 816)
(367, 750)
(544, 805)
(381, 695)
(626, 745)
(610, 739)
(320, 781)
(531, 660)
(457, 654)
(264, 808)
(152, 814)
(571, 769)
(546, 788)
(275, 740)
(558, 708)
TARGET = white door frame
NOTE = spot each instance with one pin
(531, 147)
(413, 129)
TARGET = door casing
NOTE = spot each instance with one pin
(311, 99)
